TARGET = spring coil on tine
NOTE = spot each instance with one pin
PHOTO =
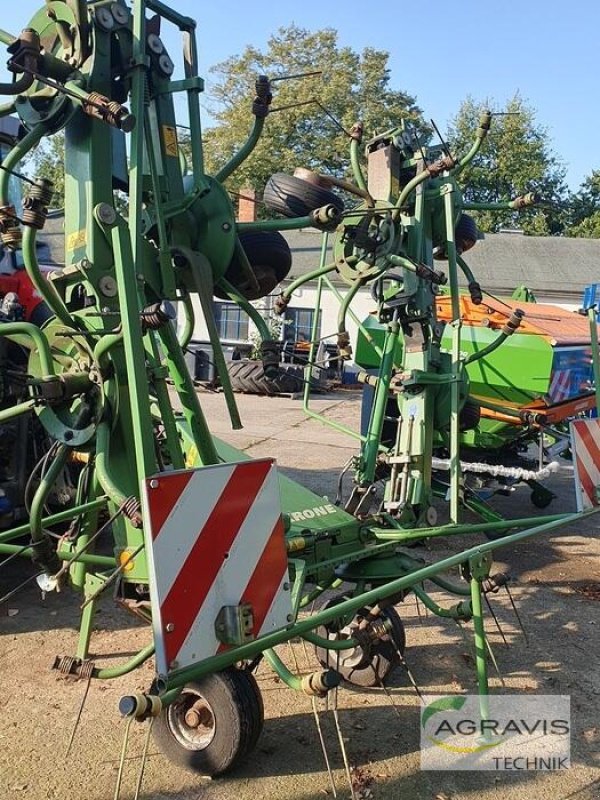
(34, 213)
(132, 510)
(43, 190)
(10, 231)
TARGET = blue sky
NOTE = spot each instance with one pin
(440, 52)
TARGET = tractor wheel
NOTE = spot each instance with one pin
(270, 258)
(213, 724)
(469, 416)
(362, 666)
(296, 197)
(249, 377)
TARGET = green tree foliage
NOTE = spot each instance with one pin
(352, 86)
(585, 209)
(48, 161)
(516, 158)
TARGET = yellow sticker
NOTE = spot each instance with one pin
(170, 140)
(191, 457)
(75, 240)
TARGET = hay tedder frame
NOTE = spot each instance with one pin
(219, 553)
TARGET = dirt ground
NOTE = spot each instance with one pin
(555, 580)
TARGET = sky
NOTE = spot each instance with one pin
(440, 52)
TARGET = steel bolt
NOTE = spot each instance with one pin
(169, 627)
(106, 214)
(290, 618)
(226, 226)
(154, 483)
(286, 587)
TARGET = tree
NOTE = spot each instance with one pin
(48, 161)
(352, 86)
(516, 158)
(585, 209)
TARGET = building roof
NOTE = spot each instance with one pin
(553, 267)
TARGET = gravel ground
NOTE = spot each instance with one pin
(556, 586)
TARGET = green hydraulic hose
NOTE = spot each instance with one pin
(310, 276)
(364, 330)
(348, 298)
(466, 269)
(54, 519)
(101, 463)
(106, 673)
(461, 611)
(502, 337)
(484, 126)
(45, 487)
(359, 178)
(43, 286)
(243, 152)
(42, 348)
(245, 305)
(280, 669)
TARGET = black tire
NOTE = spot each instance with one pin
(249, 377)
(270, 258)
(363, 667)
(466, 233)
(469, 416)
(231, 715)
(295, 197)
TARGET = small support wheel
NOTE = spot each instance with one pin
(213, 724)
(364, 666)
(541, 498)
(295, 197)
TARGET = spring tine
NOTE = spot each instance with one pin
(20, 586)
(389, 696)
(323, 746)
(494, 662)
(122, 759)
(342, 745)
(467, 640)
(514, 607)
(418, 607)
(411, 677)
(79, 714)
(138, 786)
(15, 554)
(306, 656)
(112, 577)
(294, 658)
(494, 617)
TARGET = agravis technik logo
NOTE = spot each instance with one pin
(505, 732)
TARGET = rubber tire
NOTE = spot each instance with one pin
(237, 706)
(377, 664)
(469, 417)
(466, 233)
(248, 377)
(270, 257)
(295, 197)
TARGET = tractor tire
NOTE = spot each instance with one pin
(270, 258)
(213, 724)
(248, 377)
(295, 197)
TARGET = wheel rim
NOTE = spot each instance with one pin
(192, 720)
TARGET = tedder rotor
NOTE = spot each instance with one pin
(220, 554)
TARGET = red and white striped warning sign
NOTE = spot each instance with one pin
(214, 538)
(585, 444)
